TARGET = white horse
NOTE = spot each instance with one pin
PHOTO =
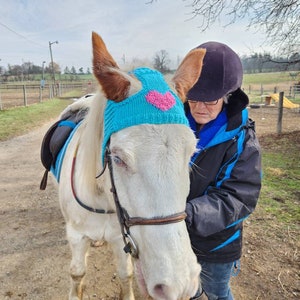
(139, 200)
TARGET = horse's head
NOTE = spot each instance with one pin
(150, 145)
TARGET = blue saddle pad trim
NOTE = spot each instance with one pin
(56, 168)
(67, 123)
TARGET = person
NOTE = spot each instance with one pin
(225, 179)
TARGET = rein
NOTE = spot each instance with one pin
(124, 219)
(89, 208)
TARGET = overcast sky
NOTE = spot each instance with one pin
(130, 29)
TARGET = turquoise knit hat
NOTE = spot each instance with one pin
(155, 103)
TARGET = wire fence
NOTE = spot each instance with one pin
(13, 95)
(259, 93)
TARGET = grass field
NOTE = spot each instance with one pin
(281, 176)
(269, 78)
(255, 85)
(17, 121)
(258, 85)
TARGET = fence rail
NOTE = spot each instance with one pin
(256, 91)
(12, 95)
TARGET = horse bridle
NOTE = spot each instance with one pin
(124, 219)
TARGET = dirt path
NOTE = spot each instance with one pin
(34, 252)
(35, 256)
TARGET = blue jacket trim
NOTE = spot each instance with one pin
(237, 222)
(240, 142)
(227, 242)
(230, 166)
(56, 168)
(222, 136)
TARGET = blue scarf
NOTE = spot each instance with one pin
(207, 132)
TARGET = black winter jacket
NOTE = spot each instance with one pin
(225, 185)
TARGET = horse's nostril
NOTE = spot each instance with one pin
(160, 291)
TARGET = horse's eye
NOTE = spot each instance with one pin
(118, 161)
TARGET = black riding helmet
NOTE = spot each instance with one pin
(221, 75)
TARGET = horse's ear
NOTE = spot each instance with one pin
(114, 85)
(188, 72)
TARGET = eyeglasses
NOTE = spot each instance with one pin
(208, 103)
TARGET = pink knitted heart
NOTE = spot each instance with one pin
(162, 102)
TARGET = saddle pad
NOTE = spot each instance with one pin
(56, 166)
(55, 139)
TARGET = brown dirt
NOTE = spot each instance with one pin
(35, 255)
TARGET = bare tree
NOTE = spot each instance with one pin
(279, 19)
(56, 68)
(161, 61)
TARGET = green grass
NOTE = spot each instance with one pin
(264, 84)
(72, 94)
(17, 121)
(267, 78)
(59, 77)
(280, 195)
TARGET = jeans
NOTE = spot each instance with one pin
(215, 279)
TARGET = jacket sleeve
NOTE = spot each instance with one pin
(234, 195)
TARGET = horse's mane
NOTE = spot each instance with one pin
(90, 139)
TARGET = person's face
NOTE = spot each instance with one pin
(204, 112)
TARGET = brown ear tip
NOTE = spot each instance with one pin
(96, 37)
(199, 50)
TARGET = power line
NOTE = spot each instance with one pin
(20, 35)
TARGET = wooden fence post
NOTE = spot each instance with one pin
(280, 112)
(50, 91)
(41, 94)
(24, 95)
(59, 89)
(0, 101)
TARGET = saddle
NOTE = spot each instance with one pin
(55, 139)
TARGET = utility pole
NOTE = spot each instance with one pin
(43, 67)
(42, 85)
(52, 66)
